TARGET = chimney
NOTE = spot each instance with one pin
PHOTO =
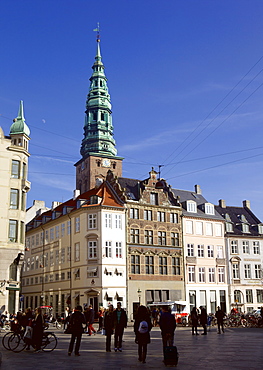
(198, 189)
(246, 203)
(55, 204)
(76, 193)
(222, 203)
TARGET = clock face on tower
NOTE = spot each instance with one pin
(106, 163)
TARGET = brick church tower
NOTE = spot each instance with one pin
(98, 145)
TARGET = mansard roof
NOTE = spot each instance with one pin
(235, 214)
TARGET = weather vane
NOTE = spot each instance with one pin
(98, 32)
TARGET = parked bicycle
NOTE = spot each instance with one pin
(15, 341)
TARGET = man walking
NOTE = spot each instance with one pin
(167, 326)
(120, 322)
(203, 320)
(90, 316)
(220, 319)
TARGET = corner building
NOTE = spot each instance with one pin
(14, 187)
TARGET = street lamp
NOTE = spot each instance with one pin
(139, 295)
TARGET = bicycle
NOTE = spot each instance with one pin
(17, 343)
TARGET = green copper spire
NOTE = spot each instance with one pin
(19, 126)
(98, 128)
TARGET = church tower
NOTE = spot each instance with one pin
(98, 149)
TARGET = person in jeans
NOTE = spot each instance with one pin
(167, 326)
(76, 322)
(120, 322)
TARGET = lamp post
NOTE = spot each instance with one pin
(139, 295)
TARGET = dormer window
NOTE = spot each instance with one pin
(229, 224)
(209, 209)
(191, 206)
(245, 228)
(95, 199)
(260, 229)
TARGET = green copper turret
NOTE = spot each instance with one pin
(98, 129)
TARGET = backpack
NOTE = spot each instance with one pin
(143, 327)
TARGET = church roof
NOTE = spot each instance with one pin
(19, 125)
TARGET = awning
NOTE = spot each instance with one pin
(91, 269)
(75, 296)
(119, 270)
(182, 303)
(76, 271)
(109, 269)
(12, 288)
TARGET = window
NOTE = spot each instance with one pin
(201, 274)
(163, 265)
(77, 225)
(175, 239)
(160, 216)
(62, 275)
(69, 274)
(33, 263)
(191, 274)
(46, 236)
(257, 271)
(245, 246)
(245, 228)
(234, 248)
(69, 253)
(92, 221)
(247, 271)
(199, 228)
(189, 227)
(249, 296)
(57, 257)
(229, 227)
(218, 229)
(135, 264)
(148, 215)
(77, 252)
(154, 198)
(51, 277)
(57, 277)
(256, 247)
(235, 271)
(57, 232)
(209, 209)
(69, 227)
(37, 240)
(149, 265)
(12, 234)
(209, 228)
(176, 266)
(237, 296)
(108, 220)
(15, 170)
(33, 241)
(134, 213)
(92, 249)
(108, 253)
(200, 250)
(161, 238)
(14, 198)
(221, 274)
(174, 218)
(259, 295)
(190, 250)
(45, 257)
(51, 258)
(134, 235)
(210, 251)
(36, 262)
(260, 229)
(77, 273)
(191, 206)
(148, 237)
(118, 250)
(211, 274)
(63, 255)
(52, 234)
(118, 222)
(62, 230)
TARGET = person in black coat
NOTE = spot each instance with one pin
(167, 326)
(203, 320)
(142, 328)
(108, 326)
(76, 322)
(120, 322)
(38, 329)
(194, 320)
(90, 317)
(220, 319)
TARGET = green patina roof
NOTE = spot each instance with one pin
(19, 126)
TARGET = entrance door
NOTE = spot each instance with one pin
(94, 302)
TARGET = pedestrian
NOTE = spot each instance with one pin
(108, 326)
(90, 320)
(203, 320)
(220, 319)
(142, 328)
(194, 319)
(120, 322)
(167, 326)
(38, 329)
(76, 322)
(101, 314)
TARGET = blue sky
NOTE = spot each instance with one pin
(185, 82)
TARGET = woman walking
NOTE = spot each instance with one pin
(142, 327)
(194, 319)
(38, 329)
(108, 326)
(76, 322)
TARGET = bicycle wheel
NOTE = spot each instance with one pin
(49, 342)
(5, 340)
(16, 343)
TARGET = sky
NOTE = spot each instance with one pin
(186, 85)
